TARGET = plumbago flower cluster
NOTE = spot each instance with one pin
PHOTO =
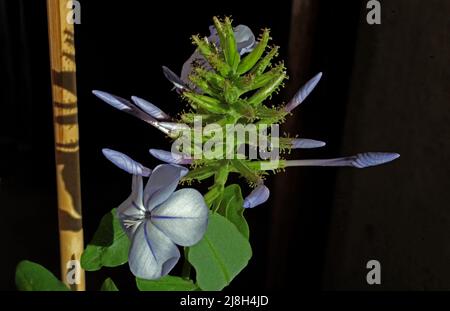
(226, 82)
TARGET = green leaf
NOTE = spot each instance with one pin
(220, 255)
(109, 246)
(231, 206)
(167, 283)
(31, 276)
(109, 286)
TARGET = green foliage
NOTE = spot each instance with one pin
(220, 255)
(234, 92)
(31, 276)
(109, 286)
(231, 207)
(167, 283)
(109, 246)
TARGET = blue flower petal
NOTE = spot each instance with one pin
(152, 254)
(183, 217)
(126, 163)
(113, 100)
(149, 108)
(170, 157)
(132, 211)
(245, 39)
(162, 183)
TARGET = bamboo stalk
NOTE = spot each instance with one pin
(65, 115)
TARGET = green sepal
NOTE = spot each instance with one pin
(204, 102)
(230, 47)
(230, 92)
(252, 82)
(264, 62)
(216, 80)
(252, 58)
(245, 110)
(203, 85)
(246, 172)
(266, 91)
(270, 115)
(212, 55)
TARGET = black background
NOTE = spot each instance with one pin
(385, 88)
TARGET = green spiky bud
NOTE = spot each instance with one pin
(203, 85)
(204, 102)
(264, 62)
(252, 58)
(268, 89)
(215, 80)
(212, 55)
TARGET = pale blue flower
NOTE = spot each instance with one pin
(157, 218)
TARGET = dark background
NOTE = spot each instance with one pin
(385, 88)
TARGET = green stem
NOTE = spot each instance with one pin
(266, 165)
(216, 191)
(186, 270)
